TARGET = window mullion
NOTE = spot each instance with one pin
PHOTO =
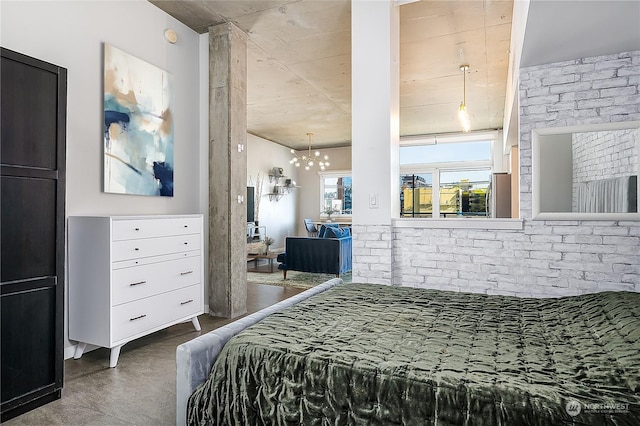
(435, 193)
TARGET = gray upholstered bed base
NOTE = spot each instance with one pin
(195, 358)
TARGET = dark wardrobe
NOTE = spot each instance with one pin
(32, 231)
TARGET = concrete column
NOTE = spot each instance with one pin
(375, 106)
(227, 171)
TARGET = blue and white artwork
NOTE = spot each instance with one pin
(138, 126)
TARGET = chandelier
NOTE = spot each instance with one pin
(463, 115)
(309, 160)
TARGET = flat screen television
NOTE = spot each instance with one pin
(251, 191)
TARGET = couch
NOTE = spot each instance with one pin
(328, 253)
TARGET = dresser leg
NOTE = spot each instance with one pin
(79, 350)
(115, 353)
(196, 323)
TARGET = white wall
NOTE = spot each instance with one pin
(71, 34)
(278, 216)
(309, 181)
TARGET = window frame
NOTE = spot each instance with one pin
(334, 174)
(451, 166)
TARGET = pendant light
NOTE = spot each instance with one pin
(309, 160)
(462, 111)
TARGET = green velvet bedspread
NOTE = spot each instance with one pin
(363, 354)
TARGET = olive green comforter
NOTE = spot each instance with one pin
(362, 354)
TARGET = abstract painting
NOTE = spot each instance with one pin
(138, 126)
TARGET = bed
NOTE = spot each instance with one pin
(371, 354)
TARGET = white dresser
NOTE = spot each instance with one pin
(132, 275)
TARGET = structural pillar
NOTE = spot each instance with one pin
(375, 133)
(227, 171)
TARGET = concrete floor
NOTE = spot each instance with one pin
(141, 389)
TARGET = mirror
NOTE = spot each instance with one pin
(586, 172)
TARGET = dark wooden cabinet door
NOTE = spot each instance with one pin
(32, 231)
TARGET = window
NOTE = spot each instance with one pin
(456, 174)
(335, 193)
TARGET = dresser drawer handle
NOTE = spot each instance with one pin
(138, 283)
(186, 226)
(137, 318)
(186, 273)
(136, 249)
(136, 229)
(185, 243)
(188, 301)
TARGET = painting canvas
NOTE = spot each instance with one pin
(138, 126)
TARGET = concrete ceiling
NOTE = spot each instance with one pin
(299, 57)
(299, 64)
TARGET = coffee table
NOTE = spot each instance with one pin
(270, 256)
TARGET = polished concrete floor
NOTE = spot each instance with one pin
(141, 389)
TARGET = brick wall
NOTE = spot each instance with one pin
(546, 258)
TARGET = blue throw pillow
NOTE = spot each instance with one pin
(322, 232)
(336, 233)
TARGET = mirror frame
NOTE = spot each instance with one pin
(537, 136)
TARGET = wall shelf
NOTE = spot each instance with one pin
(283, 185)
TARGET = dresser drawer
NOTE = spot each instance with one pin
(143, 315)
(146, 247)
(128, 229)
(143, 281)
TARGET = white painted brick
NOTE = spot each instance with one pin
(412, 278)
(594, 103)
(499, 292)
(587, 94)
(573, 230)
(598, 75)
(611, 82)
(424, 263)
(623, 241)
(578, 68)
(487, 244)
(582, 239)
(630, 278)
(629, 71)
(583, 284)
(581, 257)
(382, 253)
(380, 267)
(571, 87)
(627, 100)
(606, 286)
(447, 265)
(610, 230)
(632, 249)
(437, 280)
(546, 255)
(560, 106)
(360, 251)
(541, 100)
(559, 80)
(621, 259)
(567, 248)
(614, 64)
(502, 278)
(546, 238)
(429, 272)
(593, 267)
(591, 248)
(534, 263)
(621, 109)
